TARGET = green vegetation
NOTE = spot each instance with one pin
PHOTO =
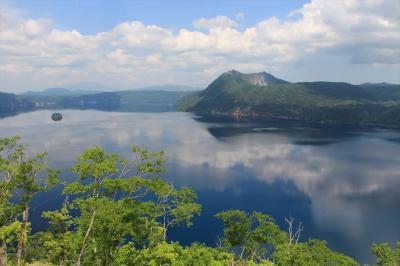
(150, 100)
(385, 255)
(118, 212)
(10, 103)
(126, 101)
(234, 93)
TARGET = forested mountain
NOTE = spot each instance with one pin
(383, 91)
(11, 103)
(263, 95)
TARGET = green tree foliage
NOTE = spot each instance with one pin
(313, 252)
(114, 209)
(253, 235)
(112, 218)
(12, 104)
(174, 254)
(385, 256)
(28, 175)
(256, 237)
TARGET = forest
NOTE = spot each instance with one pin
(123, 101)
(118, 211)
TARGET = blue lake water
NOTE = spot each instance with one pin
(341, 183)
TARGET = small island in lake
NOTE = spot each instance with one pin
(56, 117)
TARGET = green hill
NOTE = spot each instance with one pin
(11, 103)
(383, 91)
(262, 95)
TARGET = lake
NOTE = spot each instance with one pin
(342, 183)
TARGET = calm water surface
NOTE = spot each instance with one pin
(343, 184)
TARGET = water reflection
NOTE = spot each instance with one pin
(341, 182)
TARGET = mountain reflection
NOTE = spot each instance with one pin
(340, 182)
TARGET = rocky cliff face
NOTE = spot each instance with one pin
(259, 79)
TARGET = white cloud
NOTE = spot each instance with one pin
(120, 57)
(36, 27)
(363, 32)
(153, 58)
(136, 34)
(217, 22)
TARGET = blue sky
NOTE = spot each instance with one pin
(92, 16)
(130, 44)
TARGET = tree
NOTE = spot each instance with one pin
(174, 254)
(94, 165)
(385, 256)
(27, 175)
(56, 239)
(148, 162)
(314, 252)
(8, 234)
(115, 209)
(173, 206)
(250, 234)
(254, 236)
(9, 226)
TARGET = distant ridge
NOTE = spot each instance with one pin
(88, 86)
(377, 84)
(68, 91)
(58, 92)
(168, 87)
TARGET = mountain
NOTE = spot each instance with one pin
(262, 95)
(224, 93)
(58, 92)
(336, 90)
(93, 88)
(71, 89)
(170, 87)
(382, 91)
(260, 79)
(87, 86)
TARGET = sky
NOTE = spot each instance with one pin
(131, 44)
